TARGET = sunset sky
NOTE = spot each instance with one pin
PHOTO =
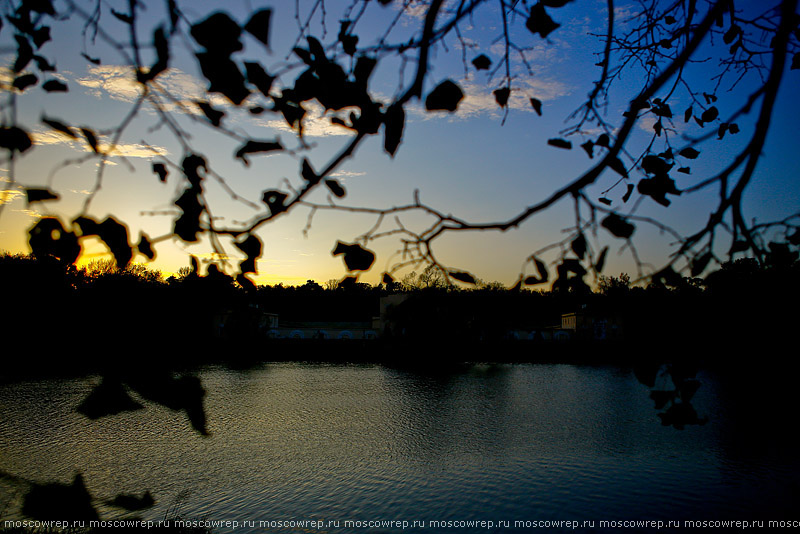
(469, 163)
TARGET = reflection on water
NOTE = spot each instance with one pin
(333, 442)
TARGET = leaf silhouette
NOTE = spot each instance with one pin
(38, 195)
(601, 260)
(55, 86)
(23, 82)
(501, 96)
(213, 115)
(689, 153)
(14, 138)
(540, 22)
(308, 172)
(537, 106)
(275, 201)
(616, 165)
(224, 76)
(90, 138)
(115, 235)
(258, 25)
(394, 122)
(560, 143)
(578, 245)
(56, 501)
(462, 276)
(335, 187)
(618, 226)
(254, 147)
(628, 192)
(482, 62)
(49, 238)
(356, 257)
(161, 170)
(710, 114)
(107, 398)
(259, 77)
(444, 97)
(145, 248)
(252, 247)
(218, 33)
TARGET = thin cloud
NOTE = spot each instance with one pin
(126, 150)
(10, 195)
(315, 123)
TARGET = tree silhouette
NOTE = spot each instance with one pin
(659, 44)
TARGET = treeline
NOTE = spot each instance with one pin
(106, 313)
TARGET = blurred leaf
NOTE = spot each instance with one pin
(86, 225)
(253, 147)
(66, 502)
(49, 238)
(145, 248)
(252, 247)
(387, 278)
(655, 165)
(213, 115)
(258, 25)
(23, 82)
(578, 245)
(689, 153)
(603, 140)
(356, 258)
(187, 225)
(445, 96)
(462, 276)
(161, 170)
(616, 164)
(540, 22)
(627, 194)
(224, 76)
(274, 200)
(685, 170)
(24, 53)
(308, 172)
(90, 138)
(127, 19)
(501, 96)
(709, 98)
(92, 60)
(618, 226)
(541, 270)
(733, 128)
(14, 138)
(335, 187)
(394, 122)
(107, 398)
(537, 106)
(710, 114)
(700, 263)
(259, 77)
(161, 45)
(687, 114)
(588, 146)
(38, 195)
(601, 260)
(560, 143)
(482, 62)
(219, 34)
(731, 34)
(191, 166)
(55, 86)
(604, 200)
(115, 236)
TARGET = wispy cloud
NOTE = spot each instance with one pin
(10, 195)
(316, 122)
(127, 150)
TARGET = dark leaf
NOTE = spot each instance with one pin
(731, 34)
(537, 106)
(90, 138)
(335, 187)
(662, 109)
(24, 81)
(191, 168)
(445, 96)
(658, 127)
(685, 170)
(224, 76)
(387, 278)
(541, 270)
(601, 260)
(604, 200)
(24, 53)
(618, 226)
(132, 502)
(174, 15)
(560, 143)
(655, 165)
(161, 44)
(127, 19)
(259, 77)
(55, 86)
(258, 25)
(687, 114)
(108, 398)
(256, 110)
(588, 146)
(92, 60)
(252, 247)
(356, 258)
(628, 193)
(48, 238)
(689, 153)
(616, 165)
(14, 138)
(733, 128)
(213, 115)
(161, 170)
(578, 245)
(275, 201)
(218, 34)
(710, 114)
(43, 65)
(71, 502)
(38, 195)
(482, 62)
(145, 248)
(394, 122)
(669, 19)
(501, 96)
(603, 140)
(540, 22)
(251, 147)
(363, 70)
(462, 276)
(665, 43)
(349, 44)
(115, 236)
(709, 98)
(187, 226)
(739, 246)
(308, 172)
(700, 263)
(86, 226)
(59, 126)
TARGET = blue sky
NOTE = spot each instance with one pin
(469, 163)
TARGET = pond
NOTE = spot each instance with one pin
(501, 443)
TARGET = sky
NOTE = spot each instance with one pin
(475, 163)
